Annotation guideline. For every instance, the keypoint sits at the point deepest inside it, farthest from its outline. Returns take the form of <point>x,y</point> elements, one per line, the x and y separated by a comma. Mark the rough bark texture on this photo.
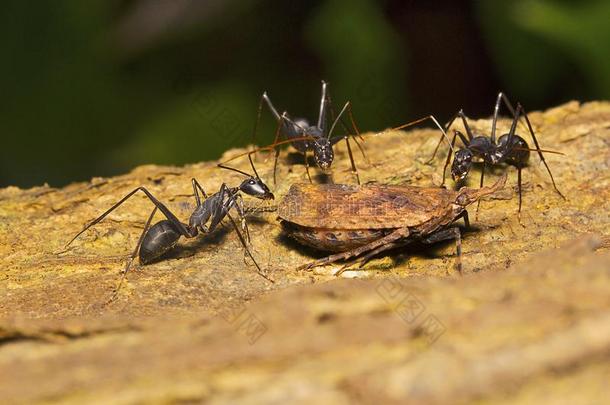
<point>528,323</point>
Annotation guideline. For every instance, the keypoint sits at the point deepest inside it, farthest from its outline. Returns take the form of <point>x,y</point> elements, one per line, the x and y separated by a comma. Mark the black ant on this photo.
<point>510,148</point>
<point>315,138</point>
<point>158,239</point>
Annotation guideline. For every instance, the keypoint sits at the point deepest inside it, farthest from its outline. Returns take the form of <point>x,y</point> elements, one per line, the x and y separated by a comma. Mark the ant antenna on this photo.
<point>332,127</point>
<point>417,121</point>
<point>252,165</point>
<point>223,166</point>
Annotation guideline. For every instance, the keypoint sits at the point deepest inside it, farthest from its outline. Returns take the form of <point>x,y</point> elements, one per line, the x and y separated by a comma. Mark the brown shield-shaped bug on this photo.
<point>363,221</point>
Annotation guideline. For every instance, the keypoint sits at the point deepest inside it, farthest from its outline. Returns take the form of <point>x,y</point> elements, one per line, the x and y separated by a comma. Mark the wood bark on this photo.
<point>528,322</point>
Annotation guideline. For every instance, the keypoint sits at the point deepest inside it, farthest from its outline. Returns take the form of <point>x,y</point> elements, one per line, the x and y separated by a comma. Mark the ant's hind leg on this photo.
<point>351,159</point>
<point>448,160</point>
<point>480,186</point>
<point>116,289</point>
<point>307,166</point>
<point>531,131</point>
<point>519,190</point>
<point>357,134</point>
<point>182,228</point>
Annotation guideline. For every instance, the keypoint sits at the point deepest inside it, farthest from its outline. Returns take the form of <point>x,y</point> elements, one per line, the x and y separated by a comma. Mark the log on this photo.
<point>529,320</point>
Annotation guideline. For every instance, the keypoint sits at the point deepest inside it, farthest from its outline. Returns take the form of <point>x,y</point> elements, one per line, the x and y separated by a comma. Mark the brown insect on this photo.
<point>367,220</point>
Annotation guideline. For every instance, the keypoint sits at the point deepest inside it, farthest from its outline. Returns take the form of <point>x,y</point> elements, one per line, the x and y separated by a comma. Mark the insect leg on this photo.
<point>182,228</point>
<point>307,165</point>
<point>277,151</point>
<point>239,207</point>
<point>392,237</point>
<point>448,160</point>
<point>196,190</point>
<point>259,112</point>
<point>348,110</point>
<point>333,141</point>
<point>351,159</point>
<point>480,186</point>
<point>366,258</point>
<point>531,131</point>
<point>243,242</point>
<point>440,141</point>
<point>446,234</point>
<point>519,190</point>
<point>357,130</point>
<point>115,292</point>
<point>325,99</point>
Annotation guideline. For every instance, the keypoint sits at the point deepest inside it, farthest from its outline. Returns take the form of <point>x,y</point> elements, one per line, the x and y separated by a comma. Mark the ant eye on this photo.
<point>251,181</point>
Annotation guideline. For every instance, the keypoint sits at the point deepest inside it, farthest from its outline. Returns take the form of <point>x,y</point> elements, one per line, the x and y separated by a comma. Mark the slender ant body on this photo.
<point>510,148</point>
<point>317,138</point>
<point>158,239</point>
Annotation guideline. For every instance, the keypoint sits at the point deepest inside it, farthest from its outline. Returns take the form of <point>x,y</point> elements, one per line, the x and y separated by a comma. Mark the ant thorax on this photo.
<point>481,146</point>
<point>201,215</point>
<point>314,132</point>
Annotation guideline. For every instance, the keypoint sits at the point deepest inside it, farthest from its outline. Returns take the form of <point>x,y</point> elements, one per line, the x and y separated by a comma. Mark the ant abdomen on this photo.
<point>518,152</point>
<point>160,238</point>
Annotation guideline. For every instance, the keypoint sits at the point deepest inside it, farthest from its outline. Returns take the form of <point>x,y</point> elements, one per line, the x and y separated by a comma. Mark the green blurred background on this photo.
<point>94,88</point>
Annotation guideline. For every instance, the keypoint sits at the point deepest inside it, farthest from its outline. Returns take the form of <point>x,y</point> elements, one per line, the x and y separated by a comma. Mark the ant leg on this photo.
<point>390,238</point>
<point>196,190</point>
<point>307,166</point>
<point>480,186</point>
<point>446,234</point>
<point>466,125</point>
<point>290,133</point>
<point>501,98</point>
<point>227,200</point>
<point>348,110</point>
<point>259,113</point>
<point>324,101</point>
<point>465,141</point>
<point>351,159</point>
<point>239,206</point>
<point>243,242</point>
<point>531,131</point>
<point>182,228</point>
<point>448,160</point>
<point>347,107</point>
<point>355,127</point>
<point>277,151</point>
<point>357,132</point>
<point>115,292</point>
<point>519,190</point>
<point>440,141</point>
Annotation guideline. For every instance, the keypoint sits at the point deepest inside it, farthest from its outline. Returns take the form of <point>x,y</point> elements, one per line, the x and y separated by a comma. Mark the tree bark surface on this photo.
<point>529,321</point>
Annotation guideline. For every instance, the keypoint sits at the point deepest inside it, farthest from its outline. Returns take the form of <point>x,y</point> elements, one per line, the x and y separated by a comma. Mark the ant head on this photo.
<point>323,153</point>
<point>461,164</point>
<point>255,187</point>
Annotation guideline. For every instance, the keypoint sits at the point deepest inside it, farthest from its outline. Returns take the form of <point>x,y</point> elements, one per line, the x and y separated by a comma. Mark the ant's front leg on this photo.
<point>239,207</point>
